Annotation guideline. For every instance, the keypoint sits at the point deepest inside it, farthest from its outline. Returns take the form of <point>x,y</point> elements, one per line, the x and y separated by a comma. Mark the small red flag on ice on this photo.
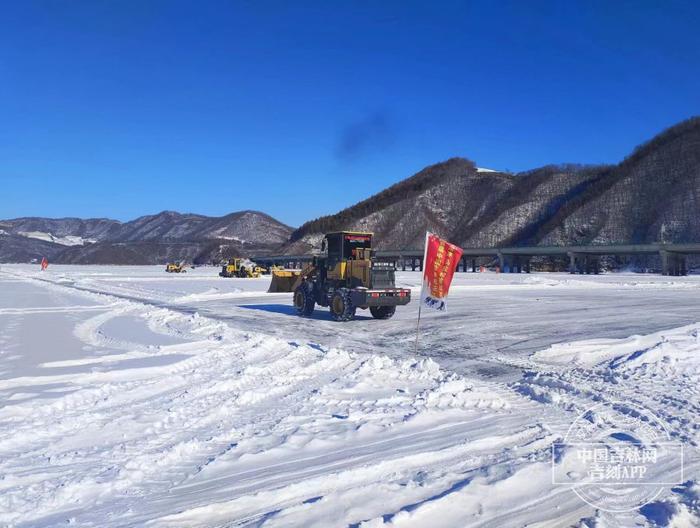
<point>440,262</point>
<point>44,263</point>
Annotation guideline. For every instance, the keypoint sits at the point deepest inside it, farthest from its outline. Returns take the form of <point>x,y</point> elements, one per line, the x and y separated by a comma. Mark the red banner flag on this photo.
<point>44,264</point>
<point>440,262</point>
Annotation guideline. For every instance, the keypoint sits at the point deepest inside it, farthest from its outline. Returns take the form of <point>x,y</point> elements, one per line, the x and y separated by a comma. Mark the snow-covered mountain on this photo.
<point>250,227</point>
<point>146,240</point>
<point>651,196</point>
<point>436,198</point>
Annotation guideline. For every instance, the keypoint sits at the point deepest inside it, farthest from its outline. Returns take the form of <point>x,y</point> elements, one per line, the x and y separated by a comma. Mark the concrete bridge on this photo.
<point>582,259</point>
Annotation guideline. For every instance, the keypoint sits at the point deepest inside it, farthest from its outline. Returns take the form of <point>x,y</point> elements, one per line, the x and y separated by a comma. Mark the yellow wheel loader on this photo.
<point>345,277</point>
<point>236,268</point>
<point>172,267</point>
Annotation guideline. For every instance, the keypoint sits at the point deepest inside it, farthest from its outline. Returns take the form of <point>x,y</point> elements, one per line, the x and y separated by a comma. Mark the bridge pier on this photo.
<point>502,263</point>
<point>505,263</point>
<point>575,261</point>
<point>582,263</point>
<point>463,265</point>
<point>513,263</point>
<point>673,264</point>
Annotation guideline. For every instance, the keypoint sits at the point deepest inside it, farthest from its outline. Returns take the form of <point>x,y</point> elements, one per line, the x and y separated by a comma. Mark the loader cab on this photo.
<point>347,245</point>
<point>347,258</point>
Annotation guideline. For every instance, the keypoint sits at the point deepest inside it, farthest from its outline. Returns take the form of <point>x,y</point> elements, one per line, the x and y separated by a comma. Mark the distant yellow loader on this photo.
<point>236,268</point>
<point>173,267</point>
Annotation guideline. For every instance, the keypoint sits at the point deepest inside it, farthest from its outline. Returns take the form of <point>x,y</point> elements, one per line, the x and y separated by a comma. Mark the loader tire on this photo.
<point>342,308</point>
<point>304,301</point>
<point>382,312</point>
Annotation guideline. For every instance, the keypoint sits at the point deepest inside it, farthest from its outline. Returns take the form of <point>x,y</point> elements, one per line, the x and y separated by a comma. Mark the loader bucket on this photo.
<point>283,281</point>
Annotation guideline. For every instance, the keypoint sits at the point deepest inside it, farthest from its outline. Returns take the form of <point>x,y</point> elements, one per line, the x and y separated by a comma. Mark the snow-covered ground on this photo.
<point>133,397</point>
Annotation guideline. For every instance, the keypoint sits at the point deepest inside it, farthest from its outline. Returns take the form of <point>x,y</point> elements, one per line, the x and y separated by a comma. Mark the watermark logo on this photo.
<point>617,457</point>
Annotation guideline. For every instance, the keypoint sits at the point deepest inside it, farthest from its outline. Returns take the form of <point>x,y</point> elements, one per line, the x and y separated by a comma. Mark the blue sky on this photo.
<point>124,108</point>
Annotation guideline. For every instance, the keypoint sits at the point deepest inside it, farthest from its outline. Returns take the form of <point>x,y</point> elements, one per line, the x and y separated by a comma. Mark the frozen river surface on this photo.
<point>131,396</point>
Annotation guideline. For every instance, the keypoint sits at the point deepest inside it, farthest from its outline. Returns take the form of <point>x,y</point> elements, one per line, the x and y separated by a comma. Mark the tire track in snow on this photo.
<point>180,433</point>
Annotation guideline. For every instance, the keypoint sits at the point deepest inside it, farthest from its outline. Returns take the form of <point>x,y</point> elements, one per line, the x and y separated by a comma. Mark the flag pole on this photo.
<point>422,287</point>
<point>415,351</point>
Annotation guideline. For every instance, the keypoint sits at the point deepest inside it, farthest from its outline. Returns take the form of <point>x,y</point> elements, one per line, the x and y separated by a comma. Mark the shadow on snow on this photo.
<point>320,314</point>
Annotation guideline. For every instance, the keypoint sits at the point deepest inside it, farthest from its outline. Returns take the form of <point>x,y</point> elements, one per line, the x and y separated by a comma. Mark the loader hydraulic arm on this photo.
<point>306,272</point>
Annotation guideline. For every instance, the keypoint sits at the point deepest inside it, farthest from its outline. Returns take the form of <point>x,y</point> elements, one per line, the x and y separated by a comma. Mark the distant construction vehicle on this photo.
<point>346,276</point>
<point>172,267</point>
<point>236,267</point>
